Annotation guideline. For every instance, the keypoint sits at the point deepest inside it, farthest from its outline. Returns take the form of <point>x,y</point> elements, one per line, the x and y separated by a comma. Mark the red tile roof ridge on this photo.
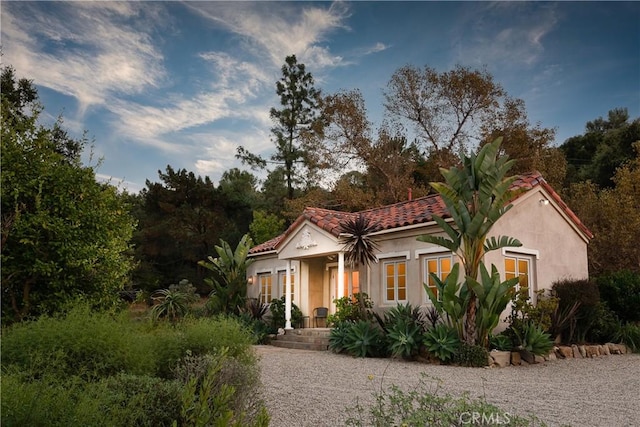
<point>408,212</point>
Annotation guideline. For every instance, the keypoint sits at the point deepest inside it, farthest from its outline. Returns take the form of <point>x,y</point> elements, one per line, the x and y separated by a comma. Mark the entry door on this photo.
<point>351,283</point>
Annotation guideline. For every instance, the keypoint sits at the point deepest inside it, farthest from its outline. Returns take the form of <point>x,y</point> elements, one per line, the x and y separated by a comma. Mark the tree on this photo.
<point>605,146</point>
<point>178,220</point>
<point>64,235</point>
<point>265,226</point>
<point>476,196</point>
<point>446,109</point>
<point>529,146</point>
<point>297,125</point>
<point>613,215</point>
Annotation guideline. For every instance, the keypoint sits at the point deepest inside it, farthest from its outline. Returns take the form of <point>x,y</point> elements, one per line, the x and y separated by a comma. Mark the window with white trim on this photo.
<point>282,277</point>
<point>264,280</point>
<point>440,265</point>
<point>520,266</point>
<point>394,273</point>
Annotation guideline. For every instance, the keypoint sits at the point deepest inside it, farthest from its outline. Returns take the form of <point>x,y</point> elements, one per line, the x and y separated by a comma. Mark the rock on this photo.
<point>515,358</point>
<point>565,352</point>
<point>613,348</point>
<point>592,351</point>
<point>604,350</point>
<point>576,351</point>
<point>527,356</point>
<point>501,358</point>
<point>583,350</point>
<point>552,356</point>
<point>538,359</point>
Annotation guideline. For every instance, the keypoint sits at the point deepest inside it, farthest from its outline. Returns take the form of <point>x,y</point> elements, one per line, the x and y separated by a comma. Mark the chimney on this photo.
<point>410,196</point>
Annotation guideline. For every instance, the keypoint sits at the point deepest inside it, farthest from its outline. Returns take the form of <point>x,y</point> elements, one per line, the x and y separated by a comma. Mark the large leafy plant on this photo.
<point>476,195</point>
<point>229,282</point>
<point>442,341</point>
<point>493,296</point>
<point>453,299</point>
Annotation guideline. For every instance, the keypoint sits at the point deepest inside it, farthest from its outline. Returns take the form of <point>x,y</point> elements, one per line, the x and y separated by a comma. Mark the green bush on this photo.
<point>349,309</point>
<point>621,292</point>
<point>122,400</point>
<point>585,293</point>
<point>629,334</point>
<point>442,342</point>
<point>403,326</point>
<point>364,339</point>
<point>424,407</point>
<point>475,356</point>
<point>604,325</point>
<point>278,315</point>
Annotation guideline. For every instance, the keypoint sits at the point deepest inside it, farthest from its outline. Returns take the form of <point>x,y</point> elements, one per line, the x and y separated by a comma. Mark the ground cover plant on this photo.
<point>426,406</point>
<point>95,369</point>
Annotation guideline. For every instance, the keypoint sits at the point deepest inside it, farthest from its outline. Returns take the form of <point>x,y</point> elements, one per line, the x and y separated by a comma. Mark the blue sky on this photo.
<point>185,83</point>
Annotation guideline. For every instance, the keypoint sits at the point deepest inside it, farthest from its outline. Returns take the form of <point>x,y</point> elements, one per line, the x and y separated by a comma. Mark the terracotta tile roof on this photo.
<point>410,212</point>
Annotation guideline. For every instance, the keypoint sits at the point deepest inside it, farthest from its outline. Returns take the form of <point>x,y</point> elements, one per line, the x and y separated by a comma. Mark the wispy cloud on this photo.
<point>504,33</point>
<point>276,30</point>
<point>93,53</point>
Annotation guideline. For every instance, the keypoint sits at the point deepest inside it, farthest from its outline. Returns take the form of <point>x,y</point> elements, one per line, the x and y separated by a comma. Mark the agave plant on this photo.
<point>364,339</point>
<point>442,341</point>
<point>534,340</point>
<point>173,304</point>
<point>404,339</point>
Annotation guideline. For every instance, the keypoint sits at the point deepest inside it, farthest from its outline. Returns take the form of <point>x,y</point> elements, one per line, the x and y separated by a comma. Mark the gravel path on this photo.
<point>309,388</point>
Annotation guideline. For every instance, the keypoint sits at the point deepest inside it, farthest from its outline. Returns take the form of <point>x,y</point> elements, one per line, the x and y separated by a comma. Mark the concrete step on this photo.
<point>304,339</point>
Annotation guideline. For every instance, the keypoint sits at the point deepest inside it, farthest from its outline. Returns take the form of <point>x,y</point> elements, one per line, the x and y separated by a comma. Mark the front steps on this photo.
<point>304,339</point>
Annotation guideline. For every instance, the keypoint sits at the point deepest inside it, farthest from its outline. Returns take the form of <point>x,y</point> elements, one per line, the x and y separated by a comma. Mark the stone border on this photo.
<point>501,359</point>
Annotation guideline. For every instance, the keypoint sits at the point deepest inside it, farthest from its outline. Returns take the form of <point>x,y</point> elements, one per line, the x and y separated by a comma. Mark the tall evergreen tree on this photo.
<point>297,125</point>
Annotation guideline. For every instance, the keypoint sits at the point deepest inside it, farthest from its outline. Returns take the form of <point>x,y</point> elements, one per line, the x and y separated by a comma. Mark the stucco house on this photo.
<point>306,262</point>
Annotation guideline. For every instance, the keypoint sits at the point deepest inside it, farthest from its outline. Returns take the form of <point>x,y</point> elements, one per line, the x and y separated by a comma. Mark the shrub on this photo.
<point>348,309</point>
<point>604,325</point>
<point>475,356</point>
<point>586,294</point>
<point>621,292</point>
<point>364,339</point>
<point>442,342</point>
<point>424,407</point>
<point>278,315</point>
<point>629,334</point>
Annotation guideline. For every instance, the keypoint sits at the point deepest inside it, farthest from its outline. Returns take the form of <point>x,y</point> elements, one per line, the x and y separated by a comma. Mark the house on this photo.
<point>308,259</point>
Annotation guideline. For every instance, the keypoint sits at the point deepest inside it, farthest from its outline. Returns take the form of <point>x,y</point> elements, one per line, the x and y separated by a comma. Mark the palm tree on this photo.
<point>358,245</point>
<point>476,194</point>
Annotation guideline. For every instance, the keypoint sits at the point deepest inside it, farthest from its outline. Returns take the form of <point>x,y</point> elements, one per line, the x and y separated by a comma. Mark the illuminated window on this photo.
<point>351,283</point>
<point>440,265</point>
<point>519,267</point>
<point>395,277</point>
<point>265,288</point>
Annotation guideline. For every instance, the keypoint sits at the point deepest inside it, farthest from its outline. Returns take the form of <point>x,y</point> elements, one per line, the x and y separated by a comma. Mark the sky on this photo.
<point>185,83</point>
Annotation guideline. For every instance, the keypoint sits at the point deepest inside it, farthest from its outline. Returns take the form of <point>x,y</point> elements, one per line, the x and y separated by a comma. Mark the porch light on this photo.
<point>544,202</point>
<point>250,280</point>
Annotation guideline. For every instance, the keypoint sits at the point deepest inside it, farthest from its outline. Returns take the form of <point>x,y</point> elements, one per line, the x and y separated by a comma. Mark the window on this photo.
<point>440,265</point>
<point>395,279</point>
<point>265,288</point>
<point>282,277</point>
<point>519,267</point>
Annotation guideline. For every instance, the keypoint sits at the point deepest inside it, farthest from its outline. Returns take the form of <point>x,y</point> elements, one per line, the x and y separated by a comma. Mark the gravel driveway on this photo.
<point>309,388</point>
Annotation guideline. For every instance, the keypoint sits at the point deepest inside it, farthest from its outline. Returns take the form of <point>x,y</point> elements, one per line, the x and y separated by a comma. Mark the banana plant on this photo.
<point>492,295</point>
<point>453,298</point>
<point>229,281</point>
<point>476,195</point>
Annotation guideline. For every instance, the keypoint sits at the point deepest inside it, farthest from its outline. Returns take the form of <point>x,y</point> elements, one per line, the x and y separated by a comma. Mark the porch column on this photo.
<point>287,296</point>
<point>340,275</point>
